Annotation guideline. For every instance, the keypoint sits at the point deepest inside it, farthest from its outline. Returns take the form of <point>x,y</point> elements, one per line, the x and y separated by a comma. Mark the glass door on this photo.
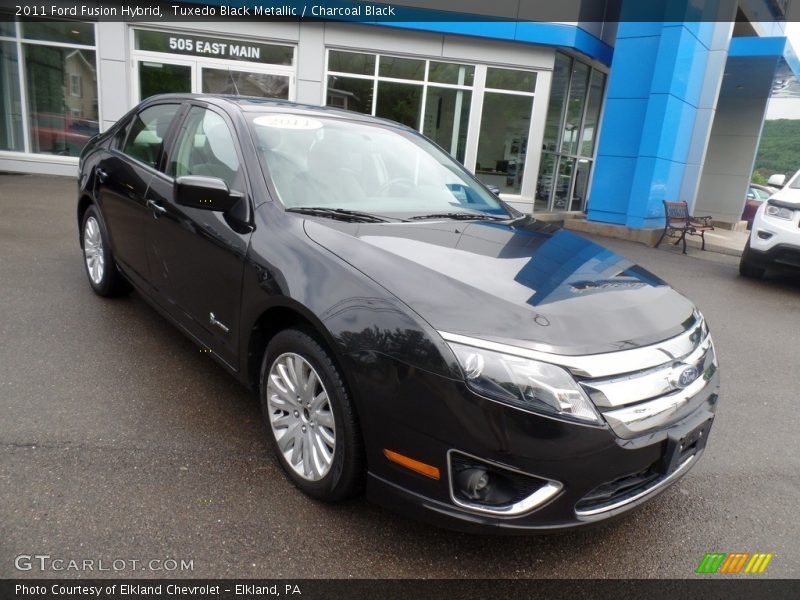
<point>159,77</point>
<point>239,82</point>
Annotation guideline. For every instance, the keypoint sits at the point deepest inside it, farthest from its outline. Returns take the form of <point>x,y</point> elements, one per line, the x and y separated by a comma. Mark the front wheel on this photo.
<point>311,420</point>
<point>747,268</point>
<point>104,277</point>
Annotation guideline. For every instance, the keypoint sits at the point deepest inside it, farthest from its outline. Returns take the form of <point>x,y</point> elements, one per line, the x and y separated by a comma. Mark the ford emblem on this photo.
<point>684,378</point>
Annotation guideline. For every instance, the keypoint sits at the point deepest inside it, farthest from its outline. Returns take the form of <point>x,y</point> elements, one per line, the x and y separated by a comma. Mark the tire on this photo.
<point>746,266</point>
<point>315,434</point>
<point>98,260</point>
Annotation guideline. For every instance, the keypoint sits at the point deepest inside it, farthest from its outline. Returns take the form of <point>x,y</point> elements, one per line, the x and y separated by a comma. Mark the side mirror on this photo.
<point>776,180</point>
<point>206,193</point>
<point>751,196</point>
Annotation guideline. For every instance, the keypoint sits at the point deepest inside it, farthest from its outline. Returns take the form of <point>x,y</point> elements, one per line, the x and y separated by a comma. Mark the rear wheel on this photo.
<point>310,417</point>
<point>104,277</point>
<point>747,268</point>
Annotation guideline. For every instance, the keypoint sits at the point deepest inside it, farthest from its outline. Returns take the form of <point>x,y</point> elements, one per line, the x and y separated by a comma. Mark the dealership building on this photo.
<point>603,115</point>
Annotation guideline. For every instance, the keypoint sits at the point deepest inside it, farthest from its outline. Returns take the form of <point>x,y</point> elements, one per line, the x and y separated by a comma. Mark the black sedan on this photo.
<point>405,330</point>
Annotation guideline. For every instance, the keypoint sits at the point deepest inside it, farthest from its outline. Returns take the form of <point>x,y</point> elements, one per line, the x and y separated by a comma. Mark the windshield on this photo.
<point>795,182</point>
<point>339,164</point>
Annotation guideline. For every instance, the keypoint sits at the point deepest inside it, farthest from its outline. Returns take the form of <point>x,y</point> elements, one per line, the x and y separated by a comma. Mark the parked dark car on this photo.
<point>404,329</point>
<point>756,195</point>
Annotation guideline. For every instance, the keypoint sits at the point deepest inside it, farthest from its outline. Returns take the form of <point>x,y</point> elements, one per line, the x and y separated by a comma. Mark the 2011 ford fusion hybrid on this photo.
<point>405,330</point>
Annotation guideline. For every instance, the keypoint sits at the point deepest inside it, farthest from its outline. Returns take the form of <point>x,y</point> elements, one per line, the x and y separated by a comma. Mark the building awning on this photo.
<point>762,66</point>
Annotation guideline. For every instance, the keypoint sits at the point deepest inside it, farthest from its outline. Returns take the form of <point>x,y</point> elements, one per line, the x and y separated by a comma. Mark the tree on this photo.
<point>779,150</point>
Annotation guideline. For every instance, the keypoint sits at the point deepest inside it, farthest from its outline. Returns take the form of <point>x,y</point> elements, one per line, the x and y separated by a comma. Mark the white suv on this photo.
<point>775,237</point>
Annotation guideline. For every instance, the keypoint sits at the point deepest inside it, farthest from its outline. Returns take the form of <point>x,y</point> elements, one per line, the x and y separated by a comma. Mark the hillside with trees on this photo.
<point>779,151</point>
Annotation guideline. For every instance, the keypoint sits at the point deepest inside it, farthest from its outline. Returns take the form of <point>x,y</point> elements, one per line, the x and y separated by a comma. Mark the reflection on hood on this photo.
<point>562,266</point>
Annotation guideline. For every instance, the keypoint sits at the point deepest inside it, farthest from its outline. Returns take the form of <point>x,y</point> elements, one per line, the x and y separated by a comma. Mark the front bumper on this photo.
<point>780,256</point>
<point>774,241</point>
<point>431,417</point>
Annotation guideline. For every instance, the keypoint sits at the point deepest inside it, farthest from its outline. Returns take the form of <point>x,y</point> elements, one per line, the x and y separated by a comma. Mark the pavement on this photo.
<point>722,241</point>
<point>119,440</point>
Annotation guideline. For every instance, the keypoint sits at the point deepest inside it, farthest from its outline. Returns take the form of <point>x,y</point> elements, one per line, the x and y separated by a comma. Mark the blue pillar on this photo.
<point>654,127</point>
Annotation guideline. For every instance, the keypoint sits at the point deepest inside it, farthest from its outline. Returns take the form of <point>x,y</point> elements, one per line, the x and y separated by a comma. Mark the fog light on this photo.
<point>473,483</point>
<point>477,482</point>
<point>764,235</point>
<point>491,488</point>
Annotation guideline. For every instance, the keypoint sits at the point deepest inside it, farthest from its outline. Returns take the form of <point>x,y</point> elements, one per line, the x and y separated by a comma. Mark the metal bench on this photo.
<point>679,223</point>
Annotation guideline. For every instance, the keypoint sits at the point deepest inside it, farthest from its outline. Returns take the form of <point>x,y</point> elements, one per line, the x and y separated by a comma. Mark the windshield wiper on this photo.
<point>460,216</point>
<point>355,216</point>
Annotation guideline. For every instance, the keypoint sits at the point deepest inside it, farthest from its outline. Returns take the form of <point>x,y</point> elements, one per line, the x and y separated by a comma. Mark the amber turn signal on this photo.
<point>410,463</point>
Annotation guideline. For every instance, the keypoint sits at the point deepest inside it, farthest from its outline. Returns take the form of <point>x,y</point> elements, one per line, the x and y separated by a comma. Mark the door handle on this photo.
<point>101,175</point>
<point>155,206</point>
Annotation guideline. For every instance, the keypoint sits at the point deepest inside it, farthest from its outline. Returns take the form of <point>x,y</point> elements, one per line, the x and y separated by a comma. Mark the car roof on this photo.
<point>264,105</point>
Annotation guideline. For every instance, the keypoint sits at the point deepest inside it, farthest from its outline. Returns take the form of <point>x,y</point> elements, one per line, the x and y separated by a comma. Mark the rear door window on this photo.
<point>146,133</point>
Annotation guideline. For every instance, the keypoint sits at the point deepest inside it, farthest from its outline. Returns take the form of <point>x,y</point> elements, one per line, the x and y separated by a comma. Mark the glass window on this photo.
<point>402,68</point>
<point>146,133</point>
<point>350,93</point>
<point>206,147</point>
<point>242,83</point>
<point>573,115</point>
<point>577,97</point>
<point>581,187</point>
<point>510,79</point>
<point>67,32</point>
<point>446,110</point>
<point>451,73</point>
<point>401,102</point>
<point>446,119</point>
<point>60,123</point>
<point>759,194</point>
<point>351,62</point>
<point>11,114</point>
<point>161,78</point>
<point>544,183</point>
<point>503,140</point>
<point>7,27</point>
<point>558,97</point>
<point>594,102</point>
<point>563,181</point>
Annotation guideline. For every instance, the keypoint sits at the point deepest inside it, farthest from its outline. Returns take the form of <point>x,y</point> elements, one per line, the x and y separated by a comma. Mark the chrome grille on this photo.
<point>640,401</point>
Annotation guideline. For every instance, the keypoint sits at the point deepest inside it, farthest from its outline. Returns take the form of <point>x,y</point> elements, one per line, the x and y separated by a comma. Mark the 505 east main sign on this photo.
<point>227,49</point>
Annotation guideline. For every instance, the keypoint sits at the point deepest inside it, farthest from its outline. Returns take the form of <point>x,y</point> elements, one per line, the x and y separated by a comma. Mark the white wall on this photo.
<point>729,158</point>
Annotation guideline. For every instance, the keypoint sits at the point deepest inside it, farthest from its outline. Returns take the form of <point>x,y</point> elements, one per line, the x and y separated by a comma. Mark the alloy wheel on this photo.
<point>93,250</point>
<point>300,416</point>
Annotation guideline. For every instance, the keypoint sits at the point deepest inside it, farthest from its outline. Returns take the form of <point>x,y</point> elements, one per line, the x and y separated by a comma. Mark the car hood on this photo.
<point>525,283</point>
<point>787,194</point>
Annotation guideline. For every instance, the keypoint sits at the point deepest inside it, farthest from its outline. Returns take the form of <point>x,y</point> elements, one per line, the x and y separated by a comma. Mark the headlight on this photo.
<point>780,212</point>
<point>526,383</point>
